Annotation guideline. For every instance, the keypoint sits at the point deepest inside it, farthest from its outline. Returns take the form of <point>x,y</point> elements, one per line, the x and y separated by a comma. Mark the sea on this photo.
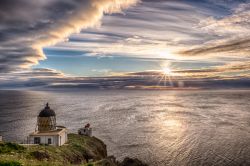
<point>160,127</point>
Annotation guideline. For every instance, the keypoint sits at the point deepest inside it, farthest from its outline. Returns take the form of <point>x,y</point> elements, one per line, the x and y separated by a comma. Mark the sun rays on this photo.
<point>165,75</point>
<point>166,71</point>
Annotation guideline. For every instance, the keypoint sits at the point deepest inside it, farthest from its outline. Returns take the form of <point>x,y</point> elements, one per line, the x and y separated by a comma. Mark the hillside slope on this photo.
<point>80,150</point>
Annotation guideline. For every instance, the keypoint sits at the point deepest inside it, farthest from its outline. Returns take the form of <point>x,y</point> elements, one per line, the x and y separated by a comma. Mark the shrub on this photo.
<point>40,155</point>
<point>10,163</point>
<point>90,164</point>
<point>9,147</point>
<point>132,162</point>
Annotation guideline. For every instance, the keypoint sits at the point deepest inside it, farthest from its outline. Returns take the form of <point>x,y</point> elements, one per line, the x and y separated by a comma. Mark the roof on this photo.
<point>47,112</point>
<point>49,133</point>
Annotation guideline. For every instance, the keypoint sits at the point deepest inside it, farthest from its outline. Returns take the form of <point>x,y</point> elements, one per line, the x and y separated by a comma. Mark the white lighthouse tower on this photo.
<point>47,132</point>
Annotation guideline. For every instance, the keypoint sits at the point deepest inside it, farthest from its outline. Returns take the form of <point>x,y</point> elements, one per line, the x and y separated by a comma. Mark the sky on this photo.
<point>125,44</point>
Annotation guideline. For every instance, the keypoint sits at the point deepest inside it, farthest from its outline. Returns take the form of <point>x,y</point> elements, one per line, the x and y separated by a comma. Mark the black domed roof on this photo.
<point>47,112</point>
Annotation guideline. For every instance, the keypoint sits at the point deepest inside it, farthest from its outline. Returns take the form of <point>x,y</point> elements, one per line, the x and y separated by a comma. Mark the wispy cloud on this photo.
<point>27,26</point>
<point>171,30</point>
<point>232,31</point>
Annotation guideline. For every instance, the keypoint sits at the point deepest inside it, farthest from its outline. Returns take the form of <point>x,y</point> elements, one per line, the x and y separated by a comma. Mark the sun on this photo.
<point>165,75</point>
<point>166,71</point>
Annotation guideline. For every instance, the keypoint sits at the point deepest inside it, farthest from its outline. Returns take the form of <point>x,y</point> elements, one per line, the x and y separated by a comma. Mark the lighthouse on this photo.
<point>46,120</point>
<point>47,131</point>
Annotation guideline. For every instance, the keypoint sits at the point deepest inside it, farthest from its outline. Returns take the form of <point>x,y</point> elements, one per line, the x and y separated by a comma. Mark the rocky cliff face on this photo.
<point>80,150</point>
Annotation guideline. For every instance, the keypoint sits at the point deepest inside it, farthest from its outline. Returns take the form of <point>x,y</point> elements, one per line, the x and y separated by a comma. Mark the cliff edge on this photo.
<point>80,150</point>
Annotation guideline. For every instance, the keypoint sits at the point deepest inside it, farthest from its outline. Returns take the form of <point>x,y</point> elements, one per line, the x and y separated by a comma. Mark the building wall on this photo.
<point>1,138</point>
<point>44,139</point>
<point>57,140</point>
<point>62,138</point>
<point>85,131</point>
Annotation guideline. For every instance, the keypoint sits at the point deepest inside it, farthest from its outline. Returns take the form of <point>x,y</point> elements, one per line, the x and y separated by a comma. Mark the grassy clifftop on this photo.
<point>80,150</point>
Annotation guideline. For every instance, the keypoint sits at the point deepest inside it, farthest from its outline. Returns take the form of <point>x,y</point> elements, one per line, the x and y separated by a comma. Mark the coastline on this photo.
<point>80,150</point>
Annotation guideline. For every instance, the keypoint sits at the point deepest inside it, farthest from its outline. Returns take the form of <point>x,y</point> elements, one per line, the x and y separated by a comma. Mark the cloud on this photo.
<point>239,46</point>
<point>49,79</point>
<point>42,73</point>
<point>28,26</point>
<point>169,29</point>
<point>236,69</point>
<point>233,33</point>
<point>30,78</point>
<point>152,29</point>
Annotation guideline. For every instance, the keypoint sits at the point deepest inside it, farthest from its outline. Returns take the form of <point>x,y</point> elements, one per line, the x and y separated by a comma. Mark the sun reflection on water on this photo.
<point>172,123</point>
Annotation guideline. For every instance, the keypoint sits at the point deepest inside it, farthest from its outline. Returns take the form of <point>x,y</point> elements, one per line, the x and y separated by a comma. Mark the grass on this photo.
<point>78,151</point>
<point>10,163</point>
<point>10,147</point>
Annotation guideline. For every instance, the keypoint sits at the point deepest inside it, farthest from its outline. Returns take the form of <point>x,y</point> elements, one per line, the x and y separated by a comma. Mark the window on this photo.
<point>49,141</point>
<point>37,140</point>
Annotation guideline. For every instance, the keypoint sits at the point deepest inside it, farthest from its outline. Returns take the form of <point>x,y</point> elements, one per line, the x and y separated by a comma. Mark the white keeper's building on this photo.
<point>47,132</point>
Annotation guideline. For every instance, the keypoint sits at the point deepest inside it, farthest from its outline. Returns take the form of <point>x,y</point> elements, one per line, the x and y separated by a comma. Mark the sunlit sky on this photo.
<point>206,42</point>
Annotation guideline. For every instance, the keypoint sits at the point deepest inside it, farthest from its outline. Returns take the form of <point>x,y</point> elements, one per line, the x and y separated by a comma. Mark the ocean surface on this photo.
<point>174,128</point>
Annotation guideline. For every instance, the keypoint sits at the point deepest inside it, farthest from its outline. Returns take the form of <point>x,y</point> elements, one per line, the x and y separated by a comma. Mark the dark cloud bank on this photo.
<point>47,79</point>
